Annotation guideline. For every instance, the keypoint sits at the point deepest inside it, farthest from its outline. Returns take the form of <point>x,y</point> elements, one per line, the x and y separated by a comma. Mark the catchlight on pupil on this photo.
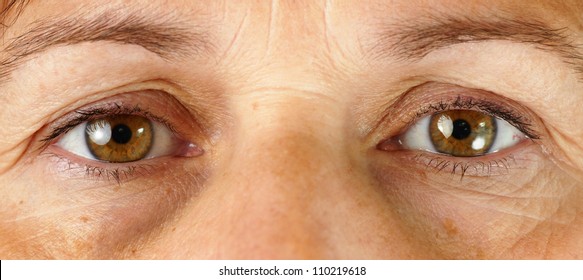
<point>462,133</point>
<point>119,138</point>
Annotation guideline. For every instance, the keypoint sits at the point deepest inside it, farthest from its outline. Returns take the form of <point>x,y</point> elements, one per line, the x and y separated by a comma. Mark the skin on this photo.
<point>289,108</point>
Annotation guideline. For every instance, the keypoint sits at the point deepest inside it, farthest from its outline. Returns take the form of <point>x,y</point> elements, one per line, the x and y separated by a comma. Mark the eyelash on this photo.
<point>440,163</point>
<point>120,172</point>
<point>81,116</point>
<point>490,108</point>
<point>482,168</point>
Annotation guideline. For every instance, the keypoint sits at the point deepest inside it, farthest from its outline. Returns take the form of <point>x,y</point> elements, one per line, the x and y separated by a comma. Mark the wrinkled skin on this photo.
<point>289,101</point>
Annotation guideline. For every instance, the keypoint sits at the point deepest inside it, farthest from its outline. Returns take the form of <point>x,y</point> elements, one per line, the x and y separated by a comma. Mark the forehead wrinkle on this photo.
<point>411,41</point>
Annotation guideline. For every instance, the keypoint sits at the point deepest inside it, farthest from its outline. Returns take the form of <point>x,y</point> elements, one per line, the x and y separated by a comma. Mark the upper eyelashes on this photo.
<point>122,130</point>
<point>461,133</point>
<point>121,138</point>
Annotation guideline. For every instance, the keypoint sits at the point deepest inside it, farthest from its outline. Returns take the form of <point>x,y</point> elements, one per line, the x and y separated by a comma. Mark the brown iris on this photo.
<point>462,133</point>
<point>119,138</point>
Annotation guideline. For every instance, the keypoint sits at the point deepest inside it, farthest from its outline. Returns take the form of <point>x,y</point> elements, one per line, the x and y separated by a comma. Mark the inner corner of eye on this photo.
<point>191,150</point>
<point>406,140</point>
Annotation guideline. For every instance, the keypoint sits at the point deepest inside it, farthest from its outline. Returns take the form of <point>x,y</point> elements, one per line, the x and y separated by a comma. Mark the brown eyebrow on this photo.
<point>10,10</point>
<point>161,35</point>
<point>413,41</point>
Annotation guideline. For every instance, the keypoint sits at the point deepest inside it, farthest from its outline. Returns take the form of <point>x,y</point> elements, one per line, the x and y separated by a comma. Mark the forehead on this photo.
<point>301,23</point>
<point>307,29</point>
<point>302,11</point>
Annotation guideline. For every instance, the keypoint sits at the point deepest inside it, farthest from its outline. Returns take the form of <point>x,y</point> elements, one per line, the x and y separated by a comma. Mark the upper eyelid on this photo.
<point>435,97</point>
<point>490,108</point>
<point>153,103</point>
<point>423,98</point>
<point>83,115</point>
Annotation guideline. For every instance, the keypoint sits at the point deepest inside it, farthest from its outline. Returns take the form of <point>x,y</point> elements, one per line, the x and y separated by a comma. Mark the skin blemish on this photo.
<point>84,219</point>
<point>450,227</point>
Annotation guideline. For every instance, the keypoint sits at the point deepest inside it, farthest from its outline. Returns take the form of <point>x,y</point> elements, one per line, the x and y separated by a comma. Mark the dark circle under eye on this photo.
<point>119,138</point>
<point>462,133</point>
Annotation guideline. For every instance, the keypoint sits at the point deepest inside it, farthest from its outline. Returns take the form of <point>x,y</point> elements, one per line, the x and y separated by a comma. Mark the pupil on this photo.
<point>461,129</point>
<point>121,134</point>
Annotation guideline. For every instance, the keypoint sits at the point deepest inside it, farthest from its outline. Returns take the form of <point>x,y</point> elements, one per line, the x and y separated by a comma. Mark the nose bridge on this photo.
<point>278,171</point>
<point>290,187</point>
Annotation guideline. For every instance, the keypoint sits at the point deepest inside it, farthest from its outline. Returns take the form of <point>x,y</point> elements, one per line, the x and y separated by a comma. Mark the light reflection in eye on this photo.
<point>461,133</point>
<point>122,138</point>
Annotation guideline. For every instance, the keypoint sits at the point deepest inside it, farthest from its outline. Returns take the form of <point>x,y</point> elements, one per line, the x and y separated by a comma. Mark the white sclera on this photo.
<point>74,141</point>
<point>506,136</point>
<point>164,142</point>
<point>419,138</point>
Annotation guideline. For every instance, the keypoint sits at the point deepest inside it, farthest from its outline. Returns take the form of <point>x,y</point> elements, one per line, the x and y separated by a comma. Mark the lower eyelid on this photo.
<point>474,168</point>
<point>70,166</point>
<point>501,163</point>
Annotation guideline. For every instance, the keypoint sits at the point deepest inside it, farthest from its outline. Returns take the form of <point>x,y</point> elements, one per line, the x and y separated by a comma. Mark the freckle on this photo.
<point>168,191</point>
<point>21,202</point>
<point>134,251</point>
<point>84,219</point>
<point>254,105</point>
<point>173,229</point>
<point>450,227</point>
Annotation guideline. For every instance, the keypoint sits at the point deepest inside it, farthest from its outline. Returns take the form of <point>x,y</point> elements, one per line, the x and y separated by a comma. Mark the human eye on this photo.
<point>119,138</point>
<point>461,133</point>
<point>459,130</point>
<point>115,137</point>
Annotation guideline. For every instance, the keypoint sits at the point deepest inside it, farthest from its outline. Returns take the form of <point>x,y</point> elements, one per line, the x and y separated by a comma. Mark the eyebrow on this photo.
<point>413,41</point>
<point>159,34</point>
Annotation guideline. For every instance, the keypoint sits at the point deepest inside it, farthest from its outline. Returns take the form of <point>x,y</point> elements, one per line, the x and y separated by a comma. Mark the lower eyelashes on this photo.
<point>470,133</point>
<point>117,139</point>
<point>474,168</point>
<point>445,168</point>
